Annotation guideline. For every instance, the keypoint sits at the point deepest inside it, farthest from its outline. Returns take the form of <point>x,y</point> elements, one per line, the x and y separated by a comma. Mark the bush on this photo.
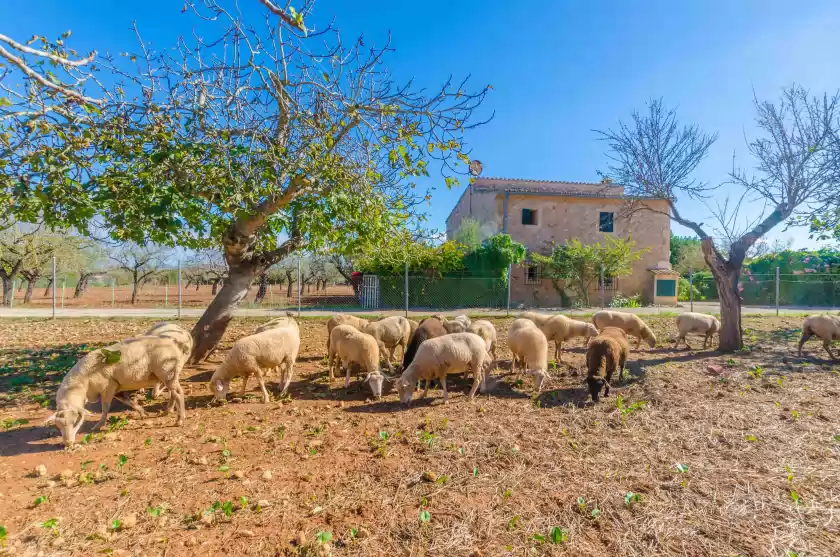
<point>684,291</point>
<point>620,301</point>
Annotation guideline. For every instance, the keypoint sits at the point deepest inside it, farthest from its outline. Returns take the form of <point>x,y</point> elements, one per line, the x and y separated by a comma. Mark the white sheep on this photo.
<point>458,324</point>
<point>287,320</point>
<point>413,325</point>
<point>437,357</point>
<point>826,327</point>
<point>182,338</point>
<point>530,349</point>
<point>486,331</point>
<point>390,333</point>
<point>700,323</point>
<point>251,355</point>
<point>344,319</point>
<point>559,328</point>
<point>538,318</point>
<point>627,322</point>
<point>135,363</point>
<point>349,346</point>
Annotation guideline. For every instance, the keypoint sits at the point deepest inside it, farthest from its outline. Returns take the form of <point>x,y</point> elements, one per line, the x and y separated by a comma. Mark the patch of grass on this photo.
<point>631,498</point>
<point>756,372</point>
<point>117,423</point>
<point>425,516</point>
<point>627,410</point>
<point>11,423</point>
<point>40,500</point>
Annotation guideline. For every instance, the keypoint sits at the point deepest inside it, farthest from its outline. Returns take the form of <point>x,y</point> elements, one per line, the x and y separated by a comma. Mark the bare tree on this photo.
<point>797,173</point>
<point>141,262</point>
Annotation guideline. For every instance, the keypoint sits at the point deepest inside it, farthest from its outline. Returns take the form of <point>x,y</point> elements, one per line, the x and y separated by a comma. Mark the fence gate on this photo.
<point>370,292</point>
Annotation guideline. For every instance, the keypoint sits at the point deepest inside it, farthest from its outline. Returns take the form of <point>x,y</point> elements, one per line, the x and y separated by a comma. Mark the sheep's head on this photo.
<point>220,387</point>
<point>540,375</point>
<point>405,389</point>
<point>454,327</point>
<point>68,421</point>
<point>591,330</point>
<point>376,380</point>
<point>649,337</point>
<point>595,385</point>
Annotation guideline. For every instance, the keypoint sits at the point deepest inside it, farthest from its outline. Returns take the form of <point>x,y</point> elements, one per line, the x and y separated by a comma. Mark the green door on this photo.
<point>666,287</point>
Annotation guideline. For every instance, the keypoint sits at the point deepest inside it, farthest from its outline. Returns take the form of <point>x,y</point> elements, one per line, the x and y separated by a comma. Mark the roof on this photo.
<point>663,272</point>
<point>487,183</point>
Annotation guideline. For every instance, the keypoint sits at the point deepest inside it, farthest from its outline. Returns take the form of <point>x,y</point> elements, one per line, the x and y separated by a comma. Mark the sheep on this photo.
<point>350,346</point>
<point>413,325</point>
<point>458,324</point>
<point>287,320</point>
<point>826,327</point>
<point>431,327</point>
<point>132,364</point>
<point>442,355</point>
<point>182,338</point>
<point>538,318</point>
<point>344,319</point>
<point>530,349</point>
<point>627,322</point>
<point>269,349</point>
<point>559,328</point>
<point>605,354</point>
<point>701,323</point>
<point>390,333</point>
<point>486,331</point>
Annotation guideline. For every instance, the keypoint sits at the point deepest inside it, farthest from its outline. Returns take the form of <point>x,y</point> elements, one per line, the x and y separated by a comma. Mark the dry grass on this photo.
<point>718,462</point>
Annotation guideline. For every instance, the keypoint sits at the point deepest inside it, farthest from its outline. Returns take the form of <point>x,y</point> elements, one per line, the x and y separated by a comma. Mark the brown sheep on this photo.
<point>431,327</point>
<point>605,354</point>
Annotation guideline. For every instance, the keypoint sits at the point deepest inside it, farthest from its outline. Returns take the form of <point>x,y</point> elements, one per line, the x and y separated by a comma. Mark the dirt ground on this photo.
<point>154,296</point>
<point>742,458</point>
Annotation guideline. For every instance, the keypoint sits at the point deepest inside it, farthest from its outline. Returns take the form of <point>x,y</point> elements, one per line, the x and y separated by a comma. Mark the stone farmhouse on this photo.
<point>538,213</point>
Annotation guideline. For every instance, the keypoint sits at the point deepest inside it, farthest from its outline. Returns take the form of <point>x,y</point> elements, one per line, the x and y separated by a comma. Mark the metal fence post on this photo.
<point>113,291</point>
<point>509,280</point>
<point>166,293</point>
<point>63,284</point>
<point>299,289</point>
<point>12,300</point>
<point>691,287</point>
<point>53,289</point>
<point>777,291</point>
<point>179,288</point>
<point>406,288</point>
<point>602,286</point>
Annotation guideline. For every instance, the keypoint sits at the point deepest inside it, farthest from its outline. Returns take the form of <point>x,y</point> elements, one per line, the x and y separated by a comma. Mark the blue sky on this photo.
<point>559,69</point>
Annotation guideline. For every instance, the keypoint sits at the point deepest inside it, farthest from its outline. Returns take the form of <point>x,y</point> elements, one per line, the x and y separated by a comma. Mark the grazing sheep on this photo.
<point>700,323</point>
<point>826,327</point>
<point>538,318</point>
<point>431,327</point>
<point>390,333</point>
<point>182,338</point>
<point>627,322</point>
<point>287,320</point>
<point>132,364</point>
<point>606,354</point>
<point>560,328</point>
<point>344,319</point>
<point>459,324</point>
<point>439,356</point>
<point>272,348</point>
<point>350,346</point>
<point>486,331</point>
<point>530,350</point>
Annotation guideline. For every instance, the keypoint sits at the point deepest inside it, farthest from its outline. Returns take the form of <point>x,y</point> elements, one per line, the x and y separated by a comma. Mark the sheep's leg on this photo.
<point>478,378</point>
<point>330,365</point>
<point>558,348</point>
<point>638,345</point>
<point>707,341</point>
<point>347,375</point>
<point>244,384</point>
<point>806,334</point>
<point>445,392</point>
<point>687,346</point>
<point>426,390</point>
<point>391,358</point>
<point>621,363</point>
<point>288,377</point>
<point>261,379</point>
<point>827,346</point>
<point>176,394</point>
<point>131,404</point>
<point>105,399</point>
<point>157,390</point>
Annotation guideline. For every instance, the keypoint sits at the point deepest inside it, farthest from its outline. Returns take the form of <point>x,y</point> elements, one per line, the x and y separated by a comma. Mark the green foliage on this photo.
<point>495,255</point>
<point>558,535</point>
<point>425,516</point>
<point>468,233</point>
<point>808,278</point>
<point>324,536</point>
<point>620,301</point>
<point>3,535</point>
<point>630,498</point>
<point>626,410</point>
<point>684,289</point>
<point>580,264</point>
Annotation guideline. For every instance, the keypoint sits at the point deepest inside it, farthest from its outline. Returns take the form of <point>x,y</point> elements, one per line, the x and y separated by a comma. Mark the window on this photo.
<point>529,217</point>
<point>666,287</point>
<point>609,282</point>
<point>533,274</point>
<point>605,222</point>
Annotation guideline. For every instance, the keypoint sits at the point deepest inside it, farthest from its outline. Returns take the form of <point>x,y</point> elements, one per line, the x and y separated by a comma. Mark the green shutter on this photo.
<point>666,287</point>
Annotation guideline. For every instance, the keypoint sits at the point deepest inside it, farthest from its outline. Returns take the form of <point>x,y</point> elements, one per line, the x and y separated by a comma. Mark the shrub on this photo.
<point>621,301</point>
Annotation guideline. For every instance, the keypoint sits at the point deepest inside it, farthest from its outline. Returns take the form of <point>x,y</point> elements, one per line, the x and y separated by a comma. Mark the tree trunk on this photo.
<point>263,288</point>
<point>30,286</point>
<point>134,290</point>
<point>211,327</point>
<point>727,275</point>
<point>290,283</point>
<point>82,285</point>
<point>216,284</point>
<point>47,289</point>
<point>8,290</point>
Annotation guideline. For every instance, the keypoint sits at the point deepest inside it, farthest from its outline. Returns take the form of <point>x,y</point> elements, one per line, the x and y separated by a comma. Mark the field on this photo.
<point>159,296</point>
<point>695,454</point>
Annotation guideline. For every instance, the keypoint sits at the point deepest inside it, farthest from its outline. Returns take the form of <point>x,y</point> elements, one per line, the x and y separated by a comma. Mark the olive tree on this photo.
<point>796,175</point>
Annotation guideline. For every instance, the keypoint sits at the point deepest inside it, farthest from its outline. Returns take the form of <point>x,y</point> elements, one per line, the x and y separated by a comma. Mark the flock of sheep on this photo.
<point>432,349</point>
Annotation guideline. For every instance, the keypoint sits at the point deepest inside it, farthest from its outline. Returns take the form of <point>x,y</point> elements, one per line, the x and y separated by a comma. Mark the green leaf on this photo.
<point>115,524</point>
<point>682,468</point>
<point>40,500</point>
<point>49,524</point>
<point>354,532</point>
<point>224,468</point>
<point>630,498</point>
<point>3,535</point>
<point>795,496</point>
<point>595,513</point>
<point>559,535</point>
<point>539,538</point>
<point>324,536</point>
<point>227,508</point>
<point>110,356</point>
<point>475,472</point>
<point>122,460</point>
<point>154,511</point>
<point>425,516</point>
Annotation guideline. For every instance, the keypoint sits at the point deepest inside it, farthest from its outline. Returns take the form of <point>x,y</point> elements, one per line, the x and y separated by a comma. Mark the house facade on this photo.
<point>541,213</point>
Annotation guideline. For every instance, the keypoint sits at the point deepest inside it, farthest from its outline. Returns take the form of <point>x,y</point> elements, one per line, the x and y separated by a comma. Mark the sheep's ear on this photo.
<point>51,419</point>
<point>219,386</point>
<point>366,379</point>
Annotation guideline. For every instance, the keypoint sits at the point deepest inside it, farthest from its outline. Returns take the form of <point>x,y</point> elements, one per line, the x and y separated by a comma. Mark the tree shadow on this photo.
<point>29,440</point>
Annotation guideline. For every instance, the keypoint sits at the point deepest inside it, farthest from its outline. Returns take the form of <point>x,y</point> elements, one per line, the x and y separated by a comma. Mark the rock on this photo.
<point>191,542</point>
<point>429,477</point>
<point>714,370</point>
<point>203,461</point>
<point>300,539</point>
<point>207,518</point>
<point>40,471</point>
<point>362,533</point>
<point>266,475</point>
<point>128,521</point>
<point>51,484</point>
<point>65,474</point>
<point>239,474</point>
<point>246,482</point>
<point>58,542</point>
<point>316,443</point>
<point>263,503</point>
<point>246,533</point>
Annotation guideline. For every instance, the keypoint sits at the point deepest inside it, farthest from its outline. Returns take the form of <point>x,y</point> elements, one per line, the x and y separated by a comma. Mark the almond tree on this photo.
<point>141,262</point>
<point>265,136</point>
<point>795,178</point>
